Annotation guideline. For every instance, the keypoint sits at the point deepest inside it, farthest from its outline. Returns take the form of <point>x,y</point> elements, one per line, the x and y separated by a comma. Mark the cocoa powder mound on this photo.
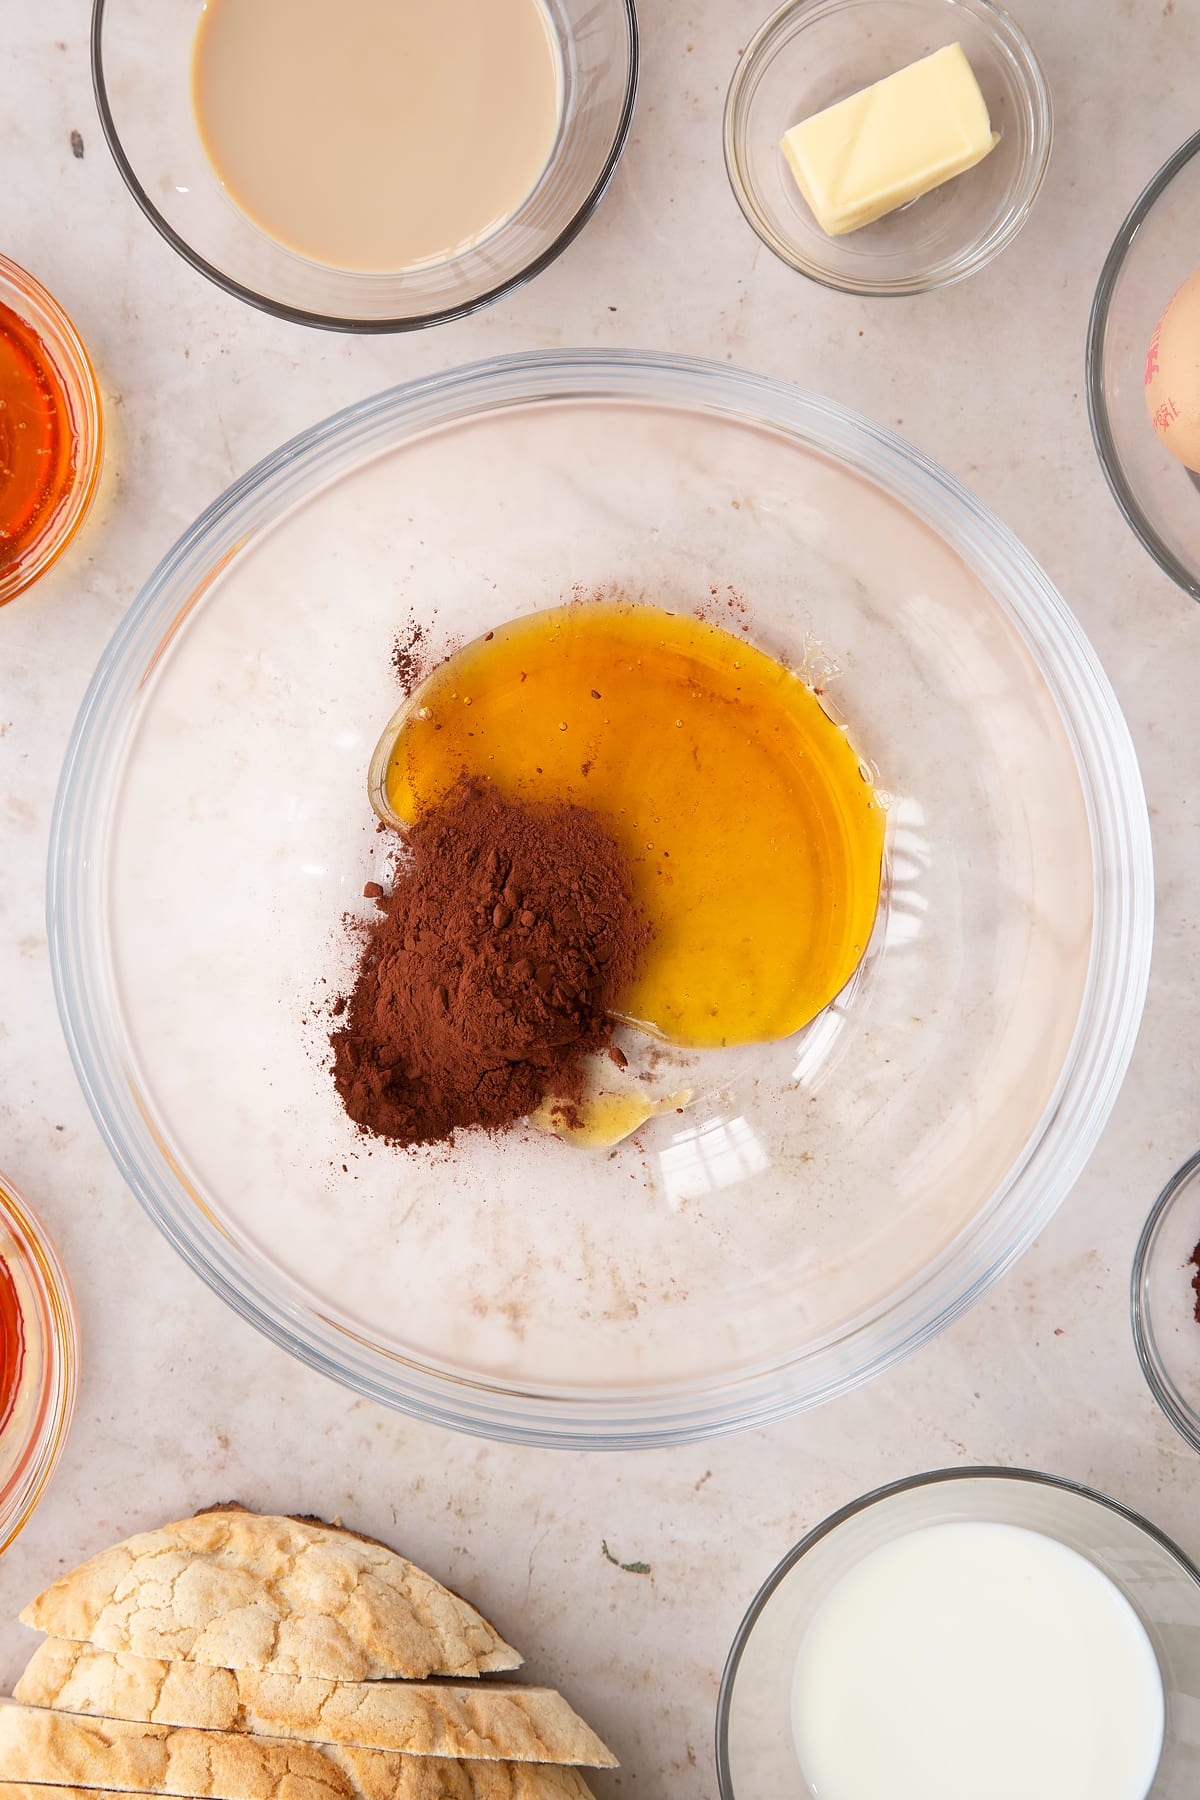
<point>490,969</point>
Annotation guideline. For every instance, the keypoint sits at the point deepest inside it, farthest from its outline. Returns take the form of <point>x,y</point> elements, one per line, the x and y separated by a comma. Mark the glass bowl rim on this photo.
<point>1182,1416</point>
<point>60,1378</point>
<point>907,1484</point>
<point>1103,439</point>
<point>676,1412</point>
<point>49,319</point>
<point>295,315</point>
<point>972,260</point>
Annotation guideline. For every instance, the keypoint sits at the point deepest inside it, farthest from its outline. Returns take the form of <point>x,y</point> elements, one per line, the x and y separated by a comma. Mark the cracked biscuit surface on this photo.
<point>244,1590</point>
<point>44,1753</point>
<point>476,1719</point>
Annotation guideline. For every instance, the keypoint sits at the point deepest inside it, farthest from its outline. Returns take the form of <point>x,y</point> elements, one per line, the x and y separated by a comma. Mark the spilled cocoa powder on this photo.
<point>410,654</point>
<point>489,971</point>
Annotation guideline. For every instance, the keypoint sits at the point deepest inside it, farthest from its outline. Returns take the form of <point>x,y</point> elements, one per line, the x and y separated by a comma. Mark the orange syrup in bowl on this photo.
<point>12,1344</point>
<point>39,1355</point>
<point>50,430</point>
<point>752,829</point>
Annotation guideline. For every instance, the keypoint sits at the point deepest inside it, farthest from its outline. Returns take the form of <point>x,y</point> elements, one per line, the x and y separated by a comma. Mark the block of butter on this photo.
<point>890,143</point>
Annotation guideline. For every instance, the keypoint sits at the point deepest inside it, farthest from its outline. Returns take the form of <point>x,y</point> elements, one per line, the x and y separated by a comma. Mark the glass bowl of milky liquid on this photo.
<point>807,1209</point>
<point>403,166</point>
<point>970,1631</point>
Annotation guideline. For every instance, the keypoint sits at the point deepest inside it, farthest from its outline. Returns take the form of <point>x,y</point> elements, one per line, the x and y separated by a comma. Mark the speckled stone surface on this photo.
<point>180,1403</point>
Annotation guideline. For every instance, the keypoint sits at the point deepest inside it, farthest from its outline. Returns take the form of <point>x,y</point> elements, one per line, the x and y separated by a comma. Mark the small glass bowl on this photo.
<point>756,1759</point>
<point>34,306</point>
<point>1163,1302</point>
<point>1153,254</point>
<point>32,1440</point>
<point>141,71</point>
<point>813,53</point>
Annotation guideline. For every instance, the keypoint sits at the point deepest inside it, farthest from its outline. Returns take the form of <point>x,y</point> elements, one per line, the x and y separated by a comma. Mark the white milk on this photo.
<point>977,1660</point>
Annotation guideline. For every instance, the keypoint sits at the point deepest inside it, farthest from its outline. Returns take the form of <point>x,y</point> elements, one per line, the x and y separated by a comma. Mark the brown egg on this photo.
<point>1173,374</point>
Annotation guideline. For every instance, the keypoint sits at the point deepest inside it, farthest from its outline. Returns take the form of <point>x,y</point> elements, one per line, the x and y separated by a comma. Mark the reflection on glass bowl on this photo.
<point>825,1202</point>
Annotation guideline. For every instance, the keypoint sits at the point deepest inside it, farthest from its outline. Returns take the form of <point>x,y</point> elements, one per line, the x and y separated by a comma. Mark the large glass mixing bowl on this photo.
<point>826,1203</point>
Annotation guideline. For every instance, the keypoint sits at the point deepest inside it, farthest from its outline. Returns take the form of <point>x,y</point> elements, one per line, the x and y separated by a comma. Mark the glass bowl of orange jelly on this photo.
<point>51,434</point>
<point>39,1360</point>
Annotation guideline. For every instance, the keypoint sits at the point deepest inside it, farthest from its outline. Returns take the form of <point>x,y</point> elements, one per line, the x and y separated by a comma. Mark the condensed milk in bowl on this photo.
<point>987,1632</point>
<point>380,165</point>
<point>385,136</point>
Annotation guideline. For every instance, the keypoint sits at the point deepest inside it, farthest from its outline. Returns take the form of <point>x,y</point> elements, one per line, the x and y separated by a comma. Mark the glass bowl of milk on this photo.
<point>973,1632</point>
<point>375,166</point>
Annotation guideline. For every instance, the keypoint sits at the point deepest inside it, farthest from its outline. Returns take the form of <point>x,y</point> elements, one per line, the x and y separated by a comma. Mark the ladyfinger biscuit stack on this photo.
<point>237,1656</point>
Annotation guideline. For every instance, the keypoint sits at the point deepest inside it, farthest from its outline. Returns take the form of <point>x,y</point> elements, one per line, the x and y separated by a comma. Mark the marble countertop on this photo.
<point>180,1403</point>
